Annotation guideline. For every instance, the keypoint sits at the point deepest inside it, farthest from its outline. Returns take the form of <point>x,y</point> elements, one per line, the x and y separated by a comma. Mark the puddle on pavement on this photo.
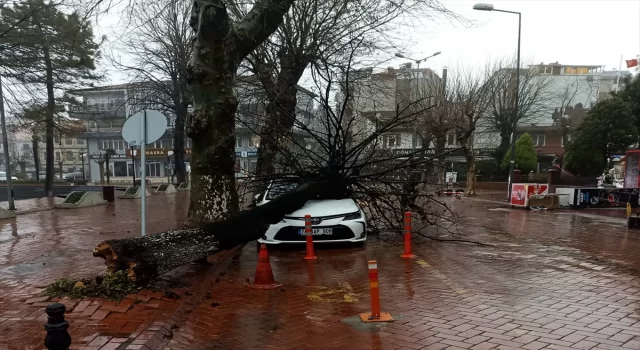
<point>371,327</point>
<point>342,294</point>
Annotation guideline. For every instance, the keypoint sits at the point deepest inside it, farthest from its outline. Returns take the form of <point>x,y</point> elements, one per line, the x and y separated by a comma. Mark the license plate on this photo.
<point>317,231</point>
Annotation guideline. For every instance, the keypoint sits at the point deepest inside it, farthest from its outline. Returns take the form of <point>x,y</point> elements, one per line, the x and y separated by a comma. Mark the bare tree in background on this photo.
<point>533,95</point>
<point>571,103</point>
<point>330,156</point>
<point>470,98</point>
<point>159,43</point>
<point>323,29</point>
<point>433,124</point>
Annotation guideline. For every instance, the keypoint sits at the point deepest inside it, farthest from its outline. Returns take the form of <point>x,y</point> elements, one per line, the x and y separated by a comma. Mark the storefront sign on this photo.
<point>113,156</point>
<point>431,152</point>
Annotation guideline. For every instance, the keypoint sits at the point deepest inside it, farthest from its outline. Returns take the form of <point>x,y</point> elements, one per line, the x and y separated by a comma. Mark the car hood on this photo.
<point>326,207</point>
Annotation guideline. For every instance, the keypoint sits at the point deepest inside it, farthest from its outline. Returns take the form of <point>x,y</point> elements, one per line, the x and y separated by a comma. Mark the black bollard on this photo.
<point>58,337</point>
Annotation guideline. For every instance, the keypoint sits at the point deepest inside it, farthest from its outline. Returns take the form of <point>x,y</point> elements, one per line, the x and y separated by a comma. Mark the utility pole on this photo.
<point>5,147</point>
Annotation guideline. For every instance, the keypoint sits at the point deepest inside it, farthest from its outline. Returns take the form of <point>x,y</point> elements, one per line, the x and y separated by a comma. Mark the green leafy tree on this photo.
<point>47,50</point>
<point>526,156</point>
<point>608,129</point>
<point>631,95</point>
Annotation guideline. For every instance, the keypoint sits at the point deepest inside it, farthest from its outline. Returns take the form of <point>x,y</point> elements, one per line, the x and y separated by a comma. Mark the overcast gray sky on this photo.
<point>590,32</point>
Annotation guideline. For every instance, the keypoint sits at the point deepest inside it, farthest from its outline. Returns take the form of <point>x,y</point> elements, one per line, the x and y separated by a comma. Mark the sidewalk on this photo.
<point>26,206</point>
<point>38,248</point>
<point>552,281</point>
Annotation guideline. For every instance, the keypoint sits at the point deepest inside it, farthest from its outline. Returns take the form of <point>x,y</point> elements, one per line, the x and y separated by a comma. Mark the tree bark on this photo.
<point>178,147</point>
<point>49,124</point>
<point>145,258</point>
<point>101,170</point>
<point>219,46</point>
<point>471,171</point>
<point>440,160</point>
<point>281,111</point>
<point>36,158</point>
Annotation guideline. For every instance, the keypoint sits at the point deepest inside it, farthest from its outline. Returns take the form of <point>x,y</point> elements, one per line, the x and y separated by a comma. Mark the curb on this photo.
<point>159,333</point>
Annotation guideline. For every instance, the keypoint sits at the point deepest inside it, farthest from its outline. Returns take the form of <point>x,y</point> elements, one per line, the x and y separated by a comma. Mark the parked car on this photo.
<point>76,178</point>
<point>3,176</point>
<point>333,219</point>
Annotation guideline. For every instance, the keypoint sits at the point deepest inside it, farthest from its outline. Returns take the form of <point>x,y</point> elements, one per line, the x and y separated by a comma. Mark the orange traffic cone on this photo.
<point>264,276</point>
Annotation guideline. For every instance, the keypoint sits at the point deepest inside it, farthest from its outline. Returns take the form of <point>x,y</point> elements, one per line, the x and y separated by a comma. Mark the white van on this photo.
<point>3,176</point>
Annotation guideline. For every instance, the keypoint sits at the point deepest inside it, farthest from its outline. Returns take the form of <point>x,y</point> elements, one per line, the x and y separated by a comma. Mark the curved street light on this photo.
<point>489,7</point>
<point>400,55</point>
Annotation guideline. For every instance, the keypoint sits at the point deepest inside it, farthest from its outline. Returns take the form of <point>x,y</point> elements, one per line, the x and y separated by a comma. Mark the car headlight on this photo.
<point>353,216</point>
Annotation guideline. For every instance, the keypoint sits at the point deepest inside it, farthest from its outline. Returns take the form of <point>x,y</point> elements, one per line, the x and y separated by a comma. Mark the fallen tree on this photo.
<point>145,258</point>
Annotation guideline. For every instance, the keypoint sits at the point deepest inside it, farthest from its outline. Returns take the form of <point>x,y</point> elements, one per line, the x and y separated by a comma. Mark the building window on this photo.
<point>567,137</point>
<point>118,145</point>
<point>153,169</point>
<point>187,142</point>
<point>157,144</point>
<point>68,141</point>
<point>69,156</point>
<point>58,156</point>
<point>391,140</point>
<point>451,140</point>
<point>239,141</point>
<point>120,168</point>
<point>80,141</point>
<point>538,139</point>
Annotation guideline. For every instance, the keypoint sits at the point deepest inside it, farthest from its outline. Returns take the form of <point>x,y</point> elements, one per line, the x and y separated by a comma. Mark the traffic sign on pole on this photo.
<point>141,129</point>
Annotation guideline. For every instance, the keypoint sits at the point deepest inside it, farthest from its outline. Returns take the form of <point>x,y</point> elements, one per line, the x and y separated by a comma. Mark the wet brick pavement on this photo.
<point>552,280</point>
<point>40,247</point>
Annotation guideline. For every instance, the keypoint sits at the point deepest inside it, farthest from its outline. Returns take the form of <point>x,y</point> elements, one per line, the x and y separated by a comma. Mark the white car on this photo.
<point>332,220</point>
<point>3,176</point>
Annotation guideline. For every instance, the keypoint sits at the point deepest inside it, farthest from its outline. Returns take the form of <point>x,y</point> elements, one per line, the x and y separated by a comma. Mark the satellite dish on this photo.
<point>156,126</point>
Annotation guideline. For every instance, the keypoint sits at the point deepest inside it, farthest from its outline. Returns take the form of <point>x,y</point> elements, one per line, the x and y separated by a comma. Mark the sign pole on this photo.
<point>133,163</point>
<point>143,178</point>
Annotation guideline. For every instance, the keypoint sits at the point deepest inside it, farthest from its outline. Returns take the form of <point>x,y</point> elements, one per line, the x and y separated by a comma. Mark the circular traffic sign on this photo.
<point>156,125</point>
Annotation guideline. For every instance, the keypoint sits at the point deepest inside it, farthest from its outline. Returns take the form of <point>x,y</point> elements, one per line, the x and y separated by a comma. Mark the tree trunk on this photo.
<point>211,127</point>
<point>178,146</point>
<point>145,258</point>
<point>23,170</point>
<point>440,160</point>
<point>471,172</point>
<point>281,111</point>
<point>60,169</point>
<point>36,158</point>
<point>107,162</point>
<point>51,105</point>
<point>101,170</point>
<point>219,46</point>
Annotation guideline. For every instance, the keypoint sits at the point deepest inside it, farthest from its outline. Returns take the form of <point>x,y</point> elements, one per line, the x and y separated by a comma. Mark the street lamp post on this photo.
<point>512,162</point>
<point>400,55</point>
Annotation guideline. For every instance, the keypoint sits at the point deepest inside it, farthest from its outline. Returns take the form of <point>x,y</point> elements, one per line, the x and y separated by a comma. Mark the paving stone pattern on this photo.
<point>545,285</point>
<point>38,248</point>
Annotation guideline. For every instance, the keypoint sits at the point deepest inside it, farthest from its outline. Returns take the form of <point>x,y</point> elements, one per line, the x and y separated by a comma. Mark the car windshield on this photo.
<point>279,188</point>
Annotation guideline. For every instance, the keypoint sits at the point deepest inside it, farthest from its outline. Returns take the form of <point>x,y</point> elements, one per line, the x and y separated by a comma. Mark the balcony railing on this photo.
<point>103,130</point>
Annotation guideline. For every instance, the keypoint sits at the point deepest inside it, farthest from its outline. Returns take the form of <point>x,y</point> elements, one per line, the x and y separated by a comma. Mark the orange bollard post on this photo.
<point>308,231</point>
<point>407,237</point>
<point>375,315</point>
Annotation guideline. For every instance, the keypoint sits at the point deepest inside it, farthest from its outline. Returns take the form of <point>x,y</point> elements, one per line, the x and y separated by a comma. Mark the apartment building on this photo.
<point>572,90</point>
<point>104,111</point>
